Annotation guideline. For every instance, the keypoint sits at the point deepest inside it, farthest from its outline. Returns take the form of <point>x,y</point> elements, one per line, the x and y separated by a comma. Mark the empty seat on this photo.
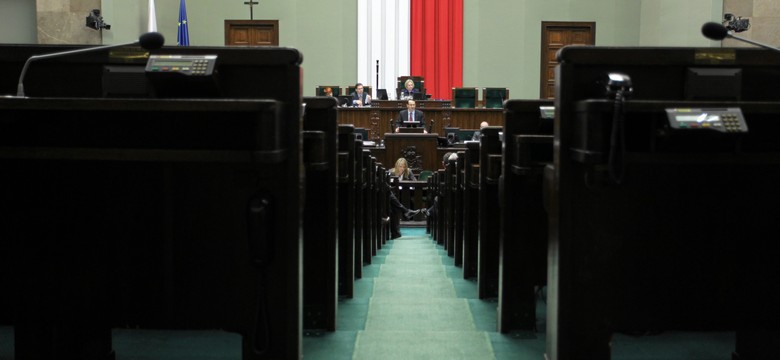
<point>494,98</point>
<point>464,97</point>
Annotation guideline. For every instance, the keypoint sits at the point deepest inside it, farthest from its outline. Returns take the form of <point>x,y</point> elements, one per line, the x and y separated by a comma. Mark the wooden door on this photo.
<point>555,35</point>
<point>252,32</point>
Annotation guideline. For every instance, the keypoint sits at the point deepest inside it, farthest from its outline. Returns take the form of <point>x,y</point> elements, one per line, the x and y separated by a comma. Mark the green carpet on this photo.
<point>423,345</point>
<point>414,312</point>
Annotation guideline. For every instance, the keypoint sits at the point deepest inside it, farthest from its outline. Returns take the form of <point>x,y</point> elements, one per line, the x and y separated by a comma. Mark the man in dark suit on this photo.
<point>411,114</point>
<point>360,97</point>
<point>478,133</point>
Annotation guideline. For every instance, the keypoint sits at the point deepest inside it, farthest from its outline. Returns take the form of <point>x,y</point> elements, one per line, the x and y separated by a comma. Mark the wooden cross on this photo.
<point>251,3</point>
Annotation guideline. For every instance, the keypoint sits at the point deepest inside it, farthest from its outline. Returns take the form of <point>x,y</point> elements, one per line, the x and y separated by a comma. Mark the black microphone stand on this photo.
<point>717,32</point>
<point>376,88</point>
<point>20,84</point>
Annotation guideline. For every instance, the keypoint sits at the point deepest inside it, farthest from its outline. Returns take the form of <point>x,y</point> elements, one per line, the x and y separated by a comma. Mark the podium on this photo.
<point>418,149</point>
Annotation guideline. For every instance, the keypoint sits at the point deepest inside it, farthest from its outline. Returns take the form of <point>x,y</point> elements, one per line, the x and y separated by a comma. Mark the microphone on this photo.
<point>148,41</point>
<point>716,31</point>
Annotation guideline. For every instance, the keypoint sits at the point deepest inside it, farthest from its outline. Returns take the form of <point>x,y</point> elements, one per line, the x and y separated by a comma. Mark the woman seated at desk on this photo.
<point>402,171</point>
<point>408,92</point>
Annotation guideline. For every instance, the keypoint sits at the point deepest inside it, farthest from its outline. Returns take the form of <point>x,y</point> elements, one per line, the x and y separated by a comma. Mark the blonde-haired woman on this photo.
<point>397,210</point>
<point>402,171</point>
<point>408,92</point>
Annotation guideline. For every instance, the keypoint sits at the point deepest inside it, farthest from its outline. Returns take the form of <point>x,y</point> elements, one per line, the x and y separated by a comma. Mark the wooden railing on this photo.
<point>378,119</point>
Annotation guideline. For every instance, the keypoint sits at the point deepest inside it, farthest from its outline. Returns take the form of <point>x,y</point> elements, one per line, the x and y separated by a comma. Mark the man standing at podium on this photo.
<point>411,117</point>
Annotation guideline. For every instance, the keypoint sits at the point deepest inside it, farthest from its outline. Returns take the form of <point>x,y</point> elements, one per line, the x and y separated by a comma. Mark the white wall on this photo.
<point>677,23</point>
<point>18,22</point>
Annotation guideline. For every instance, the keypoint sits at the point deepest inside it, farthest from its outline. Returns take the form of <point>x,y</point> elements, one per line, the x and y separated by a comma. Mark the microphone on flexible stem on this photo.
<point>716,31</point>
<point>376,88</point>
<point>148,41</point>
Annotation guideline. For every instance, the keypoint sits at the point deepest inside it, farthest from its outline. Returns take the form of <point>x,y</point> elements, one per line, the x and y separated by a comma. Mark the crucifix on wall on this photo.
<point>251,32</point>
<point>251,8</point>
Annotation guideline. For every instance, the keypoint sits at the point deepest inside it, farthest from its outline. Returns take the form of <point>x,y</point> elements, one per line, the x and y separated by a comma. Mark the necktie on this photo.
<point>410,116</point>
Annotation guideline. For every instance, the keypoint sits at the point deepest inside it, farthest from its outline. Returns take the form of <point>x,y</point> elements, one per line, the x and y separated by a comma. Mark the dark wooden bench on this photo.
<point>489,212</point>
<point>458,210</point>
<point>471,210</point>
<point>527,149</point>
<point>667,228</point>
<point>151,212</point>
<point>347,177</point>
<point>320,225</point>
<point>117,214</point>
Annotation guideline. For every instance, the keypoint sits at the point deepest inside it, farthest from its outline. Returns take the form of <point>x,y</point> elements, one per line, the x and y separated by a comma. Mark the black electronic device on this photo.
<point>95,21</point>
<point>361,134</point>
<point>183,75</point>
<point>411,124</point>
<point>345,100</point>
<point>547,112</point>
<point>190,65</point>
<point>713,83</point>
<point>727,120</point>
<point>735,23</point>
<point>411,130</point>
<point>452,134</point>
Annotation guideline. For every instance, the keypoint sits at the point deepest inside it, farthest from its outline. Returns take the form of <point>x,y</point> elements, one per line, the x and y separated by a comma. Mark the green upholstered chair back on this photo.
<point>424,175</point>
<point>466,134</point>
<point>320,90</point>
<point>493,98</point>
<point>464,97</point>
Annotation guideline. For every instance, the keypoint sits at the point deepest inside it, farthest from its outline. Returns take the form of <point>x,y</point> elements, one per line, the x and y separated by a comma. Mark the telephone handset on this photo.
<point>619,87</point>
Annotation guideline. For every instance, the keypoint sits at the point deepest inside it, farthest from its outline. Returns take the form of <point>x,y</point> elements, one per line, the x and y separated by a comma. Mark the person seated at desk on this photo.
<point>411,114</point>
<point>327,91</point>
<point>402,171</point>
<point>360,98</point>
<point>408,92</point>
<point>478,133</point>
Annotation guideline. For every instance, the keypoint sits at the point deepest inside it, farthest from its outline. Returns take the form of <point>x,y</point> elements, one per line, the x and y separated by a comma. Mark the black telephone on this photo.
<point>619,87</point>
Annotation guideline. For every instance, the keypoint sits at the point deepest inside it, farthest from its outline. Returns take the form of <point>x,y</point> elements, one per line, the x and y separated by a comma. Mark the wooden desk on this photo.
<point>379,119</point>
<point>418,149</point>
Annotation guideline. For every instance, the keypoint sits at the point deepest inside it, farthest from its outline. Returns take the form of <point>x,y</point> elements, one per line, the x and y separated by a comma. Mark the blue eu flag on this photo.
<point>183,38</point>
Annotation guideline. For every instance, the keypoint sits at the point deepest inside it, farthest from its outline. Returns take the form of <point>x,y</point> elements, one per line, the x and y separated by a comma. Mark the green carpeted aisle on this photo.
<point>413,303</point>
<point>414,312</point>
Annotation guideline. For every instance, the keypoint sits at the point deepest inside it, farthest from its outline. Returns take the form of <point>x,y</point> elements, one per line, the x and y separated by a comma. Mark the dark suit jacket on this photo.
<point>405,92</point>
<point>361,98</point>
<point>476,135</point>
<point>404,116</point>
